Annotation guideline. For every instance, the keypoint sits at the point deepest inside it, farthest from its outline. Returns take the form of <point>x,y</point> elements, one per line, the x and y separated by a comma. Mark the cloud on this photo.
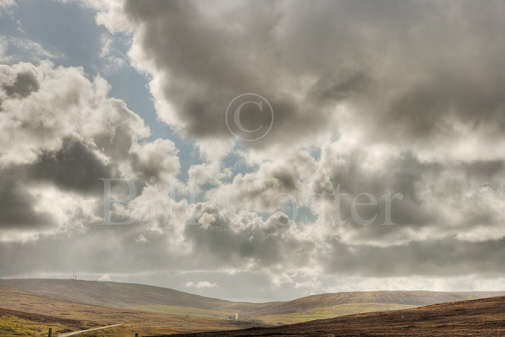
<point>141,238</point>
<point>18,207</point>
<point>367,70</point>
<point>17,49</point>
<point>155,159</point>
<point>449,208</point>
<point>368,97</point>
<point>60,134</point>
<point>114,59</point>
<point>201,284</point>
<point>106,278</point>
<point>7,6</point>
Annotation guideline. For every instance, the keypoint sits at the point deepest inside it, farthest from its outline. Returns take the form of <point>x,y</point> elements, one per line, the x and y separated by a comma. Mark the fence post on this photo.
<point>50,333</point>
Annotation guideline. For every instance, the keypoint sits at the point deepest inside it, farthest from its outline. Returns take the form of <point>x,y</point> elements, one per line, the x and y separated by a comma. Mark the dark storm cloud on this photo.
<point>209,63</point>
<point>408,71</point>
<point>331,88</point>
<point>437,200</point>
<point>404,174</point>
<point>74,167</point>
<point>18,205</point>
<point>434,257</point>
<point>25,84</point>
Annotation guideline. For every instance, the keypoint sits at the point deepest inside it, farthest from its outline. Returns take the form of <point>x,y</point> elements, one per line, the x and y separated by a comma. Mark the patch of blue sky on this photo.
<point>235,162</point>
<point>299,215</point>
<point>69,32</point>
<point>315,152</point>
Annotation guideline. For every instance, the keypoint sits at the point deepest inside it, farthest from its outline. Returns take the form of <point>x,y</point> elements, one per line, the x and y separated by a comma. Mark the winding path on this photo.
<point>81,331</point>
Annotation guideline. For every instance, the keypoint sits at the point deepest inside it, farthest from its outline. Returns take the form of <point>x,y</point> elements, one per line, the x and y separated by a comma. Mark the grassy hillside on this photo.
<point>482,317</point>
<point>18,323</point>
<point>93,315</point>
<point>304,304</point>
<point>113,294</point>
<point>179,310</point>
<point>330,312</point>
<point>132,298</point>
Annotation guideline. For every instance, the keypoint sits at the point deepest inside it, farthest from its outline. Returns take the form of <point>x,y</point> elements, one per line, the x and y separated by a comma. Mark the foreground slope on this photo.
<point>483,317</point>
<point>31,304</point>
<point>19,323</point>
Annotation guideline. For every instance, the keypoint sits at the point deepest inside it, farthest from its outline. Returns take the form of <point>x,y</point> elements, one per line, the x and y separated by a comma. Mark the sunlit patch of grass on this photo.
<point>12,325</point>
<point>333,311</point>
<point>185,311</point>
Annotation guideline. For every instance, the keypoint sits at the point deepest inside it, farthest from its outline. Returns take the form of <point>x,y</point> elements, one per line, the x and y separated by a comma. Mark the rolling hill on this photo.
<point>482,317</point>
<point>157,300</point>
<point>23,309</point>
<point>412,298</point>
<point>112,294</point>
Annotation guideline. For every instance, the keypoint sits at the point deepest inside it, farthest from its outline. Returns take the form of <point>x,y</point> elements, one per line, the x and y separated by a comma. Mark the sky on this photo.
<point>254,150</point>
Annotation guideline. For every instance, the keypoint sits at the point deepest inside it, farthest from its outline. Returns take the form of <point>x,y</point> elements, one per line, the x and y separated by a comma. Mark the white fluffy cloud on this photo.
<point>60,133</point>
<point>106,278</point>
<point>201,284</point>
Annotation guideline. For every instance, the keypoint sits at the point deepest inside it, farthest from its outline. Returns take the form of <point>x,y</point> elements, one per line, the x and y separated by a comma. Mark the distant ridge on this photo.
<point>112,294</point>
<point>165,300</point>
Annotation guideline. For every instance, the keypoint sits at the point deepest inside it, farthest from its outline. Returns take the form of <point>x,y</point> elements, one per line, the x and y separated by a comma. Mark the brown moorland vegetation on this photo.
<point>147,298</point>
<point>22,316</point>
<point>483,317</point>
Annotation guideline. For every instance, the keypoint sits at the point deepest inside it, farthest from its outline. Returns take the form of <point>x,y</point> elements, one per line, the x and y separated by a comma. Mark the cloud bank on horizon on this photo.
<point>376,97</point>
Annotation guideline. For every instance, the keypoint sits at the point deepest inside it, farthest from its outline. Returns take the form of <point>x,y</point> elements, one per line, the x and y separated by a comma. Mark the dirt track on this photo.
<point>88,330</point>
